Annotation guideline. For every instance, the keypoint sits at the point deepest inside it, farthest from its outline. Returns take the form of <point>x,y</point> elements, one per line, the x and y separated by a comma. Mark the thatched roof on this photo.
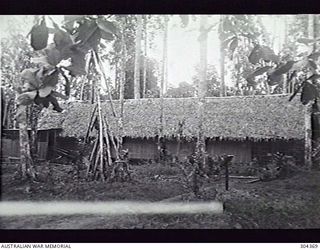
<point>236,118</point>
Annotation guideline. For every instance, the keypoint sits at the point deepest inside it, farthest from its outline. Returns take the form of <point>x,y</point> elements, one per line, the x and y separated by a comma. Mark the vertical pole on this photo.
<point>222,58</point>
<point>311,33</point>
<point>227,161</point>
<point>164,56</point>
<point>27,169</point>
<point>162,87</point>
<point>92,91</point>
<point>308,109</point>
<point>122,85</point>
<point>227,176</point>
<point>308,137</point>
<point>202,88</point>
<point>137,58</point>
<point>145,57</point>
<point>23,136</point>
<point>285,76</point>
<point>100,136</point>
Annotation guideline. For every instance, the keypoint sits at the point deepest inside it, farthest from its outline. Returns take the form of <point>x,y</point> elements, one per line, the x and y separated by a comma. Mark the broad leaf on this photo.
<point>45,91</point>
<point>78,65</point>
<point>309,93</point>
<point>51,79</point>
<point>251,82</point>
<point>69,21</point>
<point>26,98</point>
<point>262,53</point>
<point>39,35</point>
<point>314,77</point>
<point>30,75</point>
<point>62,39</point>
<point>43,60</point>
<point>45,101</point>
<point>106,36</point>
<point>284,68</point>
<point>53,55</point>
<point>274,79</point>
<point>268,54</point>
<point>89,35</point>
<point>107,26</point>
<point>260,71</point>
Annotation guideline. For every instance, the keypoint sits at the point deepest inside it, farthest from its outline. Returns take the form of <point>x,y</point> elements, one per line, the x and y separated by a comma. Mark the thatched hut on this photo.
<point>46,143</point>
<point>246,127</point>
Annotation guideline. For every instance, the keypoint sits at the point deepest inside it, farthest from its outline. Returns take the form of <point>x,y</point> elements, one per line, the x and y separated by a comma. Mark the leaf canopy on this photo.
<point>309,93</point>
<point>39,35</point>
<point>261,52</point>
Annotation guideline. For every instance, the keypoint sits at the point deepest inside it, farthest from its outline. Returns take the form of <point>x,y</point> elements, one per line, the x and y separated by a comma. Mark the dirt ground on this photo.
<point>287,203</point>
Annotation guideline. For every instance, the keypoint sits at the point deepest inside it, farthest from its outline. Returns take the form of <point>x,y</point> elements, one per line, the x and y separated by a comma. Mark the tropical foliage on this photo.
<point>66,56</point>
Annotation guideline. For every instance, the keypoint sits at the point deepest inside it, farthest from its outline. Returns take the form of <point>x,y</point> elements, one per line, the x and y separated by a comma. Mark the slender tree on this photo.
<point>137,57</point>
<point>122,83</point>
<point>222,56</point>
<point>144,79</point>
<point>202,87</point>
<point>163,83</point>
<point>308,108</point>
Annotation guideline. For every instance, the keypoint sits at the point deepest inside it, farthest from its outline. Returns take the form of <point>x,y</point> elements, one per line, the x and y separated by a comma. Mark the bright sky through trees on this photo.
<point>183,45</point>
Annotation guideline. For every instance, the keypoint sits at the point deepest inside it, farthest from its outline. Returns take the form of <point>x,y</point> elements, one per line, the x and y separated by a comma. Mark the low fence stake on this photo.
<point>226,163</point>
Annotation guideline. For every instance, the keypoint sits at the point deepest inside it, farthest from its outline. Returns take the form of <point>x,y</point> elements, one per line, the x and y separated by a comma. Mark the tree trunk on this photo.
<point>137,58</point>
<point>222,59</point>
<point>116,79</point>
<point>145,57</point>
<point>101,152</point>
<point>285,42</point>
<point>26,164</point>
<point>162,87</point>
<point>308,137</point>
<point>308,111</point>
<point>311,30</point>
<point>201,147</point>
<point>35,111</point>
<point>122,85</point>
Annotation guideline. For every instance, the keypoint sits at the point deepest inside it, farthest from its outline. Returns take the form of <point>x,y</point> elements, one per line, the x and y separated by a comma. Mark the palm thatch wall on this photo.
<point>232,118</point>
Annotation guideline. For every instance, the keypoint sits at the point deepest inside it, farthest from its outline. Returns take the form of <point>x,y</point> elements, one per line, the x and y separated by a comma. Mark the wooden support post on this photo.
<point>90,123</point>
<point>107,135</point>
<point>227,176</point>
<point>95,146</point>
<point>226,162</point>
<point>94,171</point>
<point>100,135</point>
<point>100,67</point>
<point>111,138</point>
